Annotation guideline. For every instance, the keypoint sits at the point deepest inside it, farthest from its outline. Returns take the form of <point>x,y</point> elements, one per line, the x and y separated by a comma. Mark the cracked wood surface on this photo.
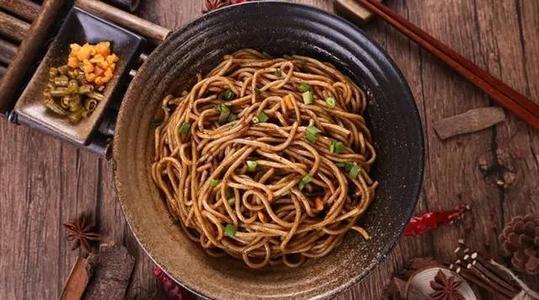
<point>45,182</point>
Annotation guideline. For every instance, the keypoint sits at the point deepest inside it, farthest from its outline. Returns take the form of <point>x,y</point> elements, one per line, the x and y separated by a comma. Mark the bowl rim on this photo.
<point>350,28</point>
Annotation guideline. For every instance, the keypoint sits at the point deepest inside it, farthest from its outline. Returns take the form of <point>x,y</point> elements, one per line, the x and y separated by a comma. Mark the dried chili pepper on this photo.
<point>172,290</point>
<point>431,220</point>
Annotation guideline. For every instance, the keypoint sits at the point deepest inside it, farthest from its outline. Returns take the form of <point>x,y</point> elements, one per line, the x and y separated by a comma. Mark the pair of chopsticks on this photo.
<point>504,95</point>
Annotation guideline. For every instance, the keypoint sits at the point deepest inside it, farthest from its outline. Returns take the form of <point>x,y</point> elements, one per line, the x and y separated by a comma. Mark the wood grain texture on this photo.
<point>24,9</point>
<point>12,27</point>
<point>45,183</point>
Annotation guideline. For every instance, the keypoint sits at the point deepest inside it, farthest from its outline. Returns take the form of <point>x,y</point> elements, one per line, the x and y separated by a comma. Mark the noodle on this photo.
<point>266,159</point>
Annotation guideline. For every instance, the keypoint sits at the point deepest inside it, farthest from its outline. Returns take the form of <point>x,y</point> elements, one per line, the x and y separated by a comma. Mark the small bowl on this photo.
<point>278,28</point>
<point>79,27</point>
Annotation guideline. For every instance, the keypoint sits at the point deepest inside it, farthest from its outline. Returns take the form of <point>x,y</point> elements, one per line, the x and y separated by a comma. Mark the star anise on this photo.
<point>81,233</point>
<point>445,288</point>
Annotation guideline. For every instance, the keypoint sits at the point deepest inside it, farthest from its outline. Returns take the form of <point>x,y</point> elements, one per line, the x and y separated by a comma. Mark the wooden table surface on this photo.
<point>44,182</point>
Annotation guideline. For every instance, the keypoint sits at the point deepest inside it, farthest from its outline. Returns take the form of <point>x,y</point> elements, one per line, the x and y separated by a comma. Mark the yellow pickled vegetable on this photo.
<point>96,61</point>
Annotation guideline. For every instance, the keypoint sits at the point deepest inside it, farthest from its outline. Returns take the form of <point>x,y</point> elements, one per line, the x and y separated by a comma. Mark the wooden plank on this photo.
<point>24,9</point>
<point>13,28</point>
<point>512,33</point>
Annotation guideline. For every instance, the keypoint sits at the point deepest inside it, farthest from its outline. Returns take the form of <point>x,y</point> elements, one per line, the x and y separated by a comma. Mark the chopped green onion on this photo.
<point>228,94</point>
<point>261,118</point>
<point>224,112</point>
<point>352,168</point>
<point>307,97</point>
<point>331,102</point>
<point>336,147</point>
<point>304,87</point>
<point>278,72</point>
<point>184,129</point>
<point>230,230</point>
<point>229,193</point>
<point>311,134</point>
<point>231,201</point>
<point>354,171</point>
<point>232,117</point>
<point>214,182</point>
<point>304,181</point>
<point>251,165</point>
<point>348,166</point>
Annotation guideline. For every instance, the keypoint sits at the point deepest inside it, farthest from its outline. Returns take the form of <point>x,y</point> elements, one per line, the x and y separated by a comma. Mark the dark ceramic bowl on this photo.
<point>278,28</point>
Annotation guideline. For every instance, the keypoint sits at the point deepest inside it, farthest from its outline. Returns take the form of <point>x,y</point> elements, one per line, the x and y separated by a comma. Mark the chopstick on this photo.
<point>504,95</point>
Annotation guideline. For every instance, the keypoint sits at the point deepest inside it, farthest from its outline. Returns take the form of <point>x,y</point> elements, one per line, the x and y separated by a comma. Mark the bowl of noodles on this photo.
<point>268,150</point>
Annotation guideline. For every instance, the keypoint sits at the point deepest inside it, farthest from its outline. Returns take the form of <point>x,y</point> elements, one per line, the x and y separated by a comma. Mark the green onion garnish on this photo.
<point>331,102</point>
<point>311,134</point>
<point>214,182</point>
<point>352,168</point>
<point>184,129</point>
<point>336,147</point>
<point>307,97</point>
<point>303,87</point>
<point>231,201</point>
<point>230,230</point>
<point>229,193</point>
<point>278,72</point>
<point>354,171</point>
<point>348,166</point>
<point>304,181</point>
<point>228,94</point>
<point>232,117</point>
<point>224,112</point>
<point>261,118</point>
<point>251,165</point>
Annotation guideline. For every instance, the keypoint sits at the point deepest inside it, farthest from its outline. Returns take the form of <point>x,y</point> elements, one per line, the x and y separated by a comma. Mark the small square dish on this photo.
<point>79,27</point>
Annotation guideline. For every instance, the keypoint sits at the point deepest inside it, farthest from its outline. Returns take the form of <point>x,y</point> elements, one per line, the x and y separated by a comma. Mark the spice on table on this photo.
<point>111,269</point>
<point>480,271</point>
<point>445,287</point>
<point>520,241</point>
<point>431,220</point>
<point>77,280</point>
<point>468,122</point>
<point>171,288</point>
<point>82,233</point>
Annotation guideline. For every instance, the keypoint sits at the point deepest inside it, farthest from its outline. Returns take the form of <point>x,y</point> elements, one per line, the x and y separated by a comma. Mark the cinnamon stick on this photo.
<point>76,281</point>
<point>479,282</point>
<point>487,265</point>
<point>492,276</point>
<point>12,27</point>
<point>24,9</point>
<point>154,32</point>
<point>7,51</point>
<point>468,122</point>
<point>29,48</point>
